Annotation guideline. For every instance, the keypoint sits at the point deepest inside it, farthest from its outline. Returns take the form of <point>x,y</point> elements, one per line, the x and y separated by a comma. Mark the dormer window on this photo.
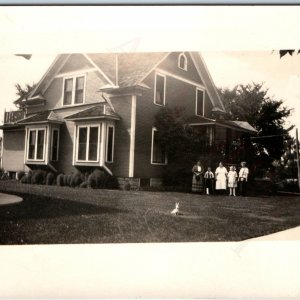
<point>182,62</point>
<point>74,90</point>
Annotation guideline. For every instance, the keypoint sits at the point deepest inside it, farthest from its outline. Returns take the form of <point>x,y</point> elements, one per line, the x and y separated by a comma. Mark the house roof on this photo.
<point>132,67</point>
<point>199,120</point>
<point>128,70</point>
<point>99,111</point>
<point>238,125</point>
<point>47,116</point>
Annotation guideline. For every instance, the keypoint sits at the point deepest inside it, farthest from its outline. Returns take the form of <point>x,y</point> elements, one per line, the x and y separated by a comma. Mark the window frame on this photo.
<point>155,81</point>
<point>74,78</point>
<point>152,148</point>
<point>88,126</point>
<point>185,61</point>
<point>52,142</point>
<point>203,104</point>
<point>36,130</point>
<point>113,144</point>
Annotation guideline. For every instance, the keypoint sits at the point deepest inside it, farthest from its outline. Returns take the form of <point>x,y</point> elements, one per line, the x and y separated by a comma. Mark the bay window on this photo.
<point>36,144</point>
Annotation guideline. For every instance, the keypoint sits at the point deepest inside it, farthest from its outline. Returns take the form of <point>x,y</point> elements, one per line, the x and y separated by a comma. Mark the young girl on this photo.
<point>232,180</point>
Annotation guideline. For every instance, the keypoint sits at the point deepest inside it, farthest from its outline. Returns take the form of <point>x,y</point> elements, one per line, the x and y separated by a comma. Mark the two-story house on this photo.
<point>97,111</point>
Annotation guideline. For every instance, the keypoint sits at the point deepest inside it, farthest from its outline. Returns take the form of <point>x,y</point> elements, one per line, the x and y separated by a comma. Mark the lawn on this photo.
<point>54,215</point>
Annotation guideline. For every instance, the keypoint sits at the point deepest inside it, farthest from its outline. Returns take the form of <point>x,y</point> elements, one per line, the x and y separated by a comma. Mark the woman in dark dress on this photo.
<point>197,183</point>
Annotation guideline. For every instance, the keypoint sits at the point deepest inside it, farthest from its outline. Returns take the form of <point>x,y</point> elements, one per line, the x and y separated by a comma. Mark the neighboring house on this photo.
<point>98,110</point>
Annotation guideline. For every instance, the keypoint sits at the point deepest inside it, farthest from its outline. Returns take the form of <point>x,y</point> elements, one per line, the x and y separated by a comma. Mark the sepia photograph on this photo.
<point>110,146</point>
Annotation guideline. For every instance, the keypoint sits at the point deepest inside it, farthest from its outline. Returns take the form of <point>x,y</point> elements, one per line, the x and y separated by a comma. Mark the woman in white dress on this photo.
<point>221,177</point>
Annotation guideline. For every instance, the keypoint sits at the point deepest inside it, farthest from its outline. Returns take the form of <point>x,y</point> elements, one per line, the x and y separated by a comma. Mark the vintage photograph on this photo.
<point>144,147</point>
<point>145,156</point>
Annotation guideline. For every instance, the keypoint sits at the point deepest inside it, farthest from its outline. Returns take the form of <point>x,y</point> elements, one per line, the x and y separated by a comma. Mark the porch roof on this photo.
<point>99,111</point>
<point>238,125</point>
<point>47,116</point>
<point>235,125</point>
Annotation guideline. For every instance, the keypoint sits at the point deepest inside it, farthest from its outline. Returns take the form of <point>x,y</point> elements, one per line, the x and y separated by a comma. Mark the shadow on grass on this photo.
<point>37,207</point>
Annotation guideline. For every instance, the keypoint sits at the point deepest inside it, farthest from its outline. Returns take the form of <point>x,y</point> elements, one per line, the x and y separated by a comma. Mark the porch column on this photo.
<point>132,136</point>
<point>103,144</point>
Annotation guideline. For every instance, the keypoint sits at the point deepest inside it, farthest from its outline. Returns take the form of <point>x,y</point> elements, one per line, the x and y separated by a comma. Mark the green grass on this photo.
<point>54,215</point>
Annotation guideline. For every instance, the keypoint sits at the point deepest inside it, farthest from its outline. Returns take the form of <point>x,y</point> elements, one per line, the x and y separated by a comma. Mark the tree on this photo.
<point>268,116</point>
<point>23,92</point>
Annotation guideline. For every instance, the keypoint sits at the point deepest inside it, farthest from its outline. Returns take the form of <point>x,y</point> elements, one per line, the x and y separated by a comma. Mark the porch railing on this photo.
<point>11,117</point>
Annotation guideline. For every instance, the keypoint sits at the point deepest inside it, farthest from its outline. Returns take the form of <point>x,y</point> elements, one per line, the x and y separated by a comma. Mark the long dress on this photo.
<point>221,174</point>
<point>197,183</point>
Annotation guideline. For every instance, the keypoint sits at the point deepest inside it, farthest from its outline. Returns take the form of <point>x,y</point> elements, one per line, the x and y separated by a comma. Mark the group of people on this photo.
<point>209,182</point>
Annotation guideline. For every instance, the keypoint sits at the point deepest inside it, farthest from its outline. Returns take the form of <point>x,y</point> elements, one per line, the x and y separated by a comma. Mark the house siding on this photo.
<point>13,150</point>
<point>170,64</point>
<point>120,166</point>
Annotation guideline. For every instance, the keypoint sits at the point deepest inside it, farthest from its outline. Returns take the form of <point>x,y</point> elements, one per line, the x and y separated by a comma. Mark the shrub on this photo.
<point>50,178</point>
<point>20,175</point>
<point>77,179</point>
<point>84,184</point>
<point>111,182</point>
<point>60,180</point>
<point>65,180</point>
<point>26,178</point>
<point>97,179</point>
<point>38,177</point>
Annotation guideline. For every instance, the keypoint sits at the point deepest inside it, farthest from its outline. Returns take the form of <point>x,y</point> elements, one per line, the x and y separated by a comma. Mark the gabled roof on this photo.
<point>47,116</point>
<point>99,111</point>
<point>132,67</point>
<point>129,69</point>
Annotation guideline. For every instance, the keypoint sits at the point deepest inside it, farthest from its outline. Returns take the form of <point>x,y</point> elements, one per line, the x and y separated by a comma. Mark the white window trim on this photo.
<point>113,144</point>
<point>35,143</point>
<point>57,151</point>
<point>164,76</point>
<point>152,146</point>
<point>87,143</point>
<point>196,106</point>
<point>185,61</point>
<point>74,77</point>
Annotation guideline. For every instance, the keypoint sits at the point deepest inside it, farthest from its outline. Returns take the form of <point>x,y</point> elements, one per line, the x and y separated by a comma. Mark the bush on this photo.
<point>60,180</point>
<point>97,179</point>
<point>38,177</point>
<point>20,175</point>
<point>50,178</point>
<point>65,180</point>
<point>77,179</point>
<point>26,178</point>
<point>111,182</point>
<point>84,185</point>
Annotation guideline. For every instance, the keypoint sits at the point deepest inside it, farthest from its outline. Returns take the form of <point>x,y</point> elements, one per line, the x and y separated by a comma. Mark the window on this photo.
<point>74,90</point>
<point>182,61</point>
<point>160,89</point>
<point>110,143</point>
<point>54,144</point>
<point>200,96</point>
<point>88,143</point>
<point>36,144</point>
<point>158,153</point>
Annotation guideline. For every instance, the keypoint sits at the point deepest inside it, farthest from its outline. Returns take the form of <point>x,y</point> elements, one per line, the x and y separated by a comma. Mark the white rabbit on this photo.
<point>175,211</point>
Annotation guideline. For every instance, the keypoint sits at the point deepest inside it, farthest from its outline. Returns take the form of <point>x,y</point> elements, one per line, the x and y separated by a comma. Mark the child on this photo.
<point>209,181</point>
<point>232,181</point>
